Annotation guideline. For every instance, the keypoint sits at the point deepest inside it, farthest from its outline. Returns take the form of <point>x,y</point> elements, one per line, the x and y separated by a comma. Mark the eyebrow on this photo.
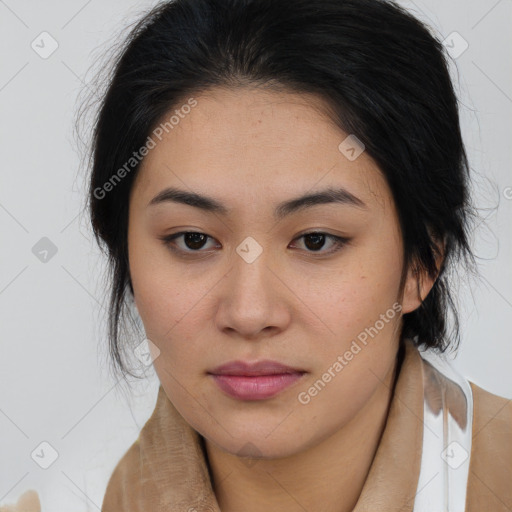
<point>209,204</point>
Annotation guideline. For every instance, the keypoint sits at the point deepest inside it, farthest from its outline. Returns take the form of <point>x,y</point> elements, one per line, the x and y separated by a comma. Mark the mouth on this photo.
<point>255,381</point>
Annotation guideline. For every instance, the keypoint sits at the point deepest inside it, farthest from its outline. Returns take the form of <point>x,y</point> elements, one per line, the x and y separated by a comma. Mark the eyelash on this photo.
<point>339,241</point>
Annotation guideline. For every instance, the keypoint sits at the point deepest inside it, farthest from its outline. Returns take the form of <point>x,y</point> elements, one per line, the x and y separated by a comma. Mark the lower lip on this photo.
<point>258,387</point>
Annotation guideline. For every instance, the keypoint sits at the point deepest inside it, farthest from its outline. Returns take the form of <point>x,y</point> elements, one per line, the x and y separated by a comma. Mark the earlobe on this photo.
<point>417,286</point>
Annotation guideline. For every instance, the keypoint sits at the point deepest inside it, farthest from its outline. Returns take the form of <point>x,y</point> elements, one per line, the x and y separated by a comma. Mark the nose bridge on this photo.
<point>251,266</point>
<point>250,299</point>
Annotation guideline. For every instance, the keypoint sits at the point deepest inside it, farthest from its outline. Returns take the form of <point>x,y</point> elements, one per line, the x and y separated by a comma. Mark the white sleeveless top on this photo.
<point>447,436</point>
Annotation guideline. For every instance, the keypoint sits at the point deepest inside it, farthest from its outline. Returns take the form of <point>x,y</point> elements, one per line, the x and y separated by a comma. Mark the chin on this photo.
<point>254,448</point>
<point>263,438</point>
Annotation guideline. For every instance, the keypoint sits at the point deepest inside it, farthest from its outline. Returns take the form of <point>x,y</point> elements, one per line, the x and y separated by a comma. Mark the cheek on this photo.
<point>161,294</point>
<point>361,304</point>
<point>174,306</point>
<point>365,287</point>
<point>155,295</point>
<point>168,313</point>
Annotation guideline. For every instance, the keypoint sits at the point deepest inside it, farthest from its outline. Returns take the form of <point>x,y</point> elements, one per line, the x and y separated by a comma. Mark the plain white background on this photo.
<point>54,382</point>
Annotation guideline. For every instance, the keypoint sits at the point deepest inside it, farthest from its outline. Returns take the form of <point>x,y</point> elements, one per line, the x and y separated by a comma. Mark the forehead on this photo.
<point>258,145</point>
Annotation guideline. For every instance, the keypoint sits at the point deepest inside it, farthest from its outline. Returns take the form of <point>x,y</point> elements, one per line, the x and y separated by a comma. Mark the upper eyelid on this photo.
<point>311,232</point>
<point>336,238</point>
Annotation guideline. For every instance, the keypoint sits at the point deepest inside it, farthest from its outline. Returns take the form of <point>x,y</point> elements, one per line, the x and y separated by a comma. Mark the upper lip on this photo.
<point>252,369</point>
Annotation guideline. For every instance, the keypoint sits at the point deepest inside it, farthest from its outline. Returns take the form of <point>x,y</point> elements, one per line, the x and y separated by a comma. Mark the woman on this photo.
<point>282,189</point>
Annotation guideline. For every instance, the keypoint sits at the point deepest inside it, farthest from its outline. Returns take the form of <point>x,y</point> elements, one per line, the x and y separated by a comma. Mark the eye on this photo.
<point>315,241</point>
<point>194,241</point>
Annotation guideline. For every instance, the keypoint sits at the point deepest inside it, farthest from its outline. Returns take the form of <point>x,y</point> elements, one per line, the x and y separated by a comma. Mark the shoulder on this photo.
<point>490,469</point>
<point>491,412</point>
<point>492,426</point>
<point>27,502</point>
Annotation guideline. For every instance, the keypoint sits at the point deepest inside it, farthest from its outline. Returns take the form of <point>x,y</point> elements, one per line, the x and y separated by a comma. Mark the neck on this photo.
<point>328,477</point>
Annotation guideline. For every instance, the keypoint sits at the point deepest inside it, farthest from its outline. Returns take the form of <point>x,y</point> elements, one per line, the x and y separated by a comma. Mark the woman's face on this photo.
<point>252,288</point>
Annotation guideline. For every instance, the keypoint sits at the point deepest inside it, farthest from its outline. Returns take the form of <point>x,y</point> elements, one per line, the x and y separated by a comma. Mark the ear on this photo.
<point>418,282</point>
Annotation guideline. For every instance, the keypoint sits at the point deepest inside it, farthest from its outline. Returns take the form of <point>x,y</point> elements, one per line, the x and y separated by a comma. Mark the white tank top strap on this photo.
<point>447,437</point>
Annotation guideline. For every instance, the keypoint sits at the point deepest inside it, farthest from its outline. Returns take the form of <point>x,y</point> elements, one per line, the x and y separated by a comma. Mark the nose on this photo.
<point>253,301</point>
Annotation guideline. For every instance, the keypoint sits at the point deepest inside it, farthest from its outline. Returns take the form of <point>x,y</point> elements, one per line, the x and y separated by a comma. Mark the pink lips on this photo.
<point>254,381</point>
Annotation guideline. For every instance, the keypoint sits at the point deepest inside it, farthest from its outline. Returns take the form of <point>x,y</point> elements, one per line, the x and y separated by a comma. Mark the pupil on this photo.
<point>194,239</point>
<point>317,239</point>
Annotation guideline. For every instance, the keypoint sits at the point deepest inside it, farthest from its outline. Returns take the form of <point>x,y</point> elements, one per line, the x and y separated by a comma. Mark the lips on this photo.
<point>255,381</point>
<point>252,369</point>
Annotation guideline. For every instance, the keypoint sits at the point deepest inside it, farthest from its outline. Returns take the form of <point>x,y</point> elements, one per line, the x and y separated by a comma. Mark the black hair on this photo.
<point>385,76</point>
